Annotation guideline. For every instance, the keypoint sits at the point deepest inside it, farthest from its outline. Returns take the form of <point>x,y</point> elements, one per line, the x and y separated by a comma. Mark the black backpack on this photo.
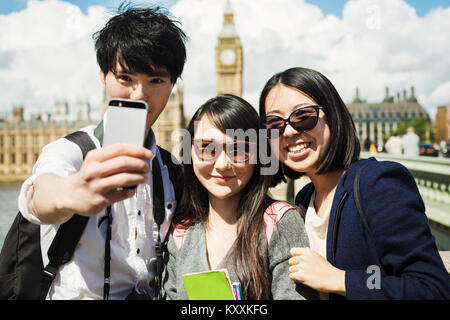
<point>22,273</point>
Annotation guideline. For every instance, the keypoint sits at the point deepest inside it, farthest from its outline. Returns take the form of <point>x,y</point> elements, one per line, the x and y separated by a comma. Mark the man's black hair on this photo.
<point>142,40</point>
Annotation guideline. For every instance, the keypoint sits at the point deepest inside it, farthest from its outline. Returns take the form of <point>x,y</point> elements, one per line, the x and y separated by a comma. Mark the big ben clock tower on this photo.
<point>229,56</point>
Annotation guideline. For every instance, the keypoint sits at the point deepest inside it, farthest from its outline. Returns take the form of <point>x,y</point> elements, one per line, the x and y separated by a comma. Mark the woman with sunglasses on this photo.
<point>387,252</point>
<point>222,221</point>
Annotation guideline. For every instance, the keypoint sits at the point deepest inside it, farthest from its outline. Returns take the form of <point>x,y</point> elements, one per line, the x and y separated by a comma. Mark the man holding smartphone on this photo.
<point>141,54</point>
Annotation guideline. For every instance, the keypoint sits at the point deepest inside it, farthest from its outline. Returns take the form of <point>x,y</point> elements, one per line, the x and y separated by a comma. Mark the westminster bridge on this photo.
<point>432,175</point>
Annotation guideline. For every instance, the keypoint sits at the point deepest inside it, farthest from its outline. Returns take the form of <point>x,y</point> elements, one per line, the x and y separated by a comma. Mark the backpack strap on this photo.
<point>159,214</point>
<point>69,233</point>
<point>358,201</point>
<point>175,172</point>
<point>272,215</point>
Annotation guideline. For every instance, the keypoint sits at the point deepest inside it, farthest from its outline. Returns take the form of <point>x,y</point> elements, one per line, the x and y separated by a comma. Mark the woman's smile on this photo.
<point>222,179</point>
<point>297,150</point>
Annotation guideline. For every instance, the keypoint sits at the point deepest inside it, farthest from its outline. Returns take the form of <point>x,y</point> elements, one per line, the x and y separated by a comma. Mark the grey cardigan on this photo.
<point>289,232</point>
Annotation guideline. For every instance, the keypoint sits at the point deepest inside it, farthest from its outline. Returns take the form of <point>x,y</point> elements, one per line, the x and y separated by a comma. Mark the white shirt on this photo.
<point>410,144</point>
<point>317,229</point>
<point>133,230</point>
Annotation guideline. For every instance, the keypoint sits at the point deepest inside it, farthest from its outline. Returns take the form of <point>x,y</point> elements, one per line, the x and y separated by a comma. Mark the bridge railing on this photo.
<point>432,176</point>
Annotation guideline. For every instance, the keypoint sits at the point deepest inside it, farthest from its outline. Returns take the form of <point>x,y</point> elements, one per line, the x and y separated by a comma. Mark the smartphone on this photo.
<point>125,121</point>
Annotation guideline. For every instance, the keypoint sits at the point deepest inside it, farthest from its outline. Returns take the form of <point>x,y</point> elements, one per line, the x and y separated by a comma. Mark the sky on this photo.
<point>327,6</point>
<point>47,54</point>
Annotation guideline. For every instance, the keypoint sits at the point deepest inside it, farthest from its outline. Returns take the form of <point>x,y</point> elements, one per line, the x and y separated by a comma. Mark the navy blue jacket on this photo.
<point>401,244</point>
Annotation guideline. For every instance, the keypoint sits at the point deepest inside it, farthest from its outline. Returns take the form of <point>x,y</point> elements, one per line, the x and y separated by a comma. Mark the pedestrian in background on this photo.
<point>367,144</point>
<point>394,145</point>
<point>410,143</point>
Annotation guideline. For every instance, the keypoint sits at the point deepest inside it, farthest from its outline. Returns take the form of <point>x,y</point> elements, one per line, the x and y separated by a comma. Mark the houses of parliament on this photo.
<point>21,141</point>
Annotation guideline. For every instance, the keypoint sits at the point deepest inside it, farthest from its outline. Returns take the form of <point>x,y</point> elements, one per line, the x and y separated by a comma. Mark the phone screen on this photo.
<point>125,121</point>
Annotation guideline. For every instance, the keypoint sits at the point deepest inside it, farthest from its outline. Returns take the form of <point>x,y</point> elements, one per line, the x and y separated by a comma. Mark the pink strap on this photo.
<point>272,215</point>
<point>178,235</point>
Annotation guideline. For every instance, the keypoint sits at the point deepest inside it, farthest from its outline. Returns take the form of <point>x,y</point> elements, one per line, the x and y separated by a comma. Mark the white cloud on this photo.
<point>46,50</point>
<point>438,97</point>
<point>377,43</point>
<point>49,56</point>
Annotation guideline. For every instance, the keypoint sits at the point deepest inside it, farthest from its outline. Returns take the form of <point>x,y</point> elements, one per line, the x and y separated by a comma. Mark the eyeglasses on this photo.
<point>237,152</point>
<point>302,120</point>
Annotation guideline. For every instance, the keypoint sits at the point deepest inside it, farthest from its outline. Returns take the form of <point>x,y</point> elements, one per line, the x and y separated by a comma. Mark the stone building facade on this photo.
<point>377,120</point>
<point>170,120</point>
<point>442,123</point>
<point>22,141</point>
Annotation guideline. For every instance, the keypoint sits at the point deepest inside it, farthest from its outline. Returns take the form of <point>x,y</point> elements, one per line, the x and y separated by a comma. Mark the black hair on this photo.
<point>231,112</point>
<point>141,40</point>
<point>345,147</point>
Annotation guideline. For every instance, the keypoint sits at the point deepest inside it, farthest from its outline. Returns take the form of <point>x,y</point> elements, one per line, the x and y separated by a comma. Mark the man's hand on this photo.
<point>311,269</point>
<point>95,186</point>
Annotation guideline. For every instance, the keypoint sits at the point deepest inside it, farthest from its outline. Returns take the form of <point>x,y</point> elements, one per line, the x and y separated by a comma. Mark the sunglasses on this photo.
<point>237,152</point>
<point>302,120</point>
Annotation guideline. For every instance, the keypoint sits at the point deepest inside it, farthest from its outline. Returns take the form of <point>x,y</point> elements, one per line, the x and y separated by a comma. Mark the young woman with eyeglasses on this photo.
<point>384,250</point>
<point>222,219</point>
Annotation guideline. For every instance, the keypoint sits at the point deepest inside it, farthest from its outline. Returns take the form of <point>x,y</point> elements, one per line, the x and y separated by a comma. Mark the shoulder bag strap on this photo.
<point>358,200</point>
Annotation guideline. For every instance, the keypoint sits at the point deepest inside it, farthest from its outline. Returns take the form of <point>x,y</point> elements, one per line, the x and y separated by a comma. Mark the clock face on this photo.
<point>227,56</point>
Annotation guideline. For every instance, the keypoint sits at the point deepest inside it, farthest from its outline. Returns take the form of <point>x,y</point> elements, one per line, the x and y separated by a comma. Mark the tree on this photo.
<point>421,127</point>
